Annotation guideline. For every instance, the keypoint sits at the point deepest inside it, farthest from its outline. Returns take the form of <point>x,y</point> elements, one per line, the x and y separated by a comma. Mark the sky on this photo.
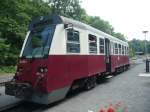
<point>129,17</point>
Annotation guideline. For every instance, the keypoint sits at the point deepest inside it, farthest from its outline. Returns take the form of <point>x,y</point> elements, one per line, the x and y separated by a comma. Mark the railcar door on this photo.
<point>108,55</point>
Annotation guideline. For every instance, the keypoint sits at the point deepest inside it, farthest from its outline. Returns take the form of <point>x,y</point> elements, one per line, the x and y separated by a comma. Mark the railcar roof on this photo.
<point>56,19</point>
<point>90,28</point>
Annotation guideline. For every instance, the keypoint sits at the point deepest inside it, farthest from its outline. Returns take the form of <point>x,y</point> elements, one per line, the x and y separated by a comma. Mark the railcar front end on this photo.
<point>36,66</point>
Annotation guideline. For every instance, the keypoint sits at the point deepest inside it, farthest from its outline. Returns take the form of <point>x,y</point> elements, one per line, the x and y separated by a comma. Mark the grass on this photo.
<point>7,69</point>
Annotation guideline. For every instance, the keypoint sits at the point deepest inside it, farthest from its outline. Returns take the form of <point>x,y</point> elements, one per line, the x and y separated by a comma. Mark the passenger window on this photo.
<point>116,48</point>
<point>101,45</point>
<point>73,36</point>
<point>112,48</point>
<point>73,42</point>
<point>120,49</point>
<point>125,50</point>
<point>92,44</point>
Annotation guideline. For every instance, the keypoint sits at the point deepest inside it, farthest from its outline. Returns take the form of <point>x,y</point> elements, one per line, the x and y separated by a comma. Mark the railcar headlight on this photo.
<point>42,69</point>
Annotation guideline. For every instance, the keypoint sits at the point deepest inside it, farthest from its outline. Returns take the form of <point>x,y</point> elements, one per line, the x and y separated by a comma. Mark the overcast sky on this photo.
<point>130,17</point>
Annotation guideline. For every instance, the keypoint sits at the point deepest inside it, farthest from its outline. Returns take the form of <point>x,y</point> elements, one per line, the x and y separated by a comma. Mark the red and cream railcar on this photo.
<point>60,54</point>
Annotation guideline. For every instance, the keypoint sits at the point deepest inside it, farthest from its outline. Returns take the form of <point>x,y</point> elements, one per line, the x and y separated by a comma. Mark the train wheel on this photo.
<point>90,83</point>
<point>128,67</point>
<point>121,69</point>
<point>100,79</point>
<point>124,68</point>
<point>94,81</point>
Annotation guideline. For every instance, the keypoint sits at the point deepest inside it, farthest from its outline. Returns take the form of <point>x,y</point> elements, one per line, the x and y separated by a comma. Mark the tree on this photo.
<point>119,35</point>
<point>68,8</point>
<point>139,45</point>
<point>100,24</point>
<point>15,16</point>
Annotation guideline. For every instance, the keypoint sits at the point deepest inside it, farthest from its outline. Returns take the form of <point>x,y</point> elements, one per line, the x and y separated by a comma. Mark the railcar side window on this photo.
<point>73,36</point>
<point>125,50</point>
<point>92,44</point>
<point>112,48</point>
<point>122,50</point>
<point>101,45</point>
<point>116,48</point>
<point>73,42</point>
<point>119,48</point>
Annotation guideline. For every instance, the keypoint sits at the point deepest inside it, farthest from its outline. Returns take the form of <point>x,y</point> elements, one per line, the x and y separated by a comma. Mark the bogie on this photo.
<point>90,83</point>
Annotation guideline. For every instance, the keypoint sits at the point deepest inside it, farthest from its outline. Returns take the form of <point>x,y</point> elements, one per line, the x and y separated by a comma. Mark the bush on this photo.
<point>7,69</point>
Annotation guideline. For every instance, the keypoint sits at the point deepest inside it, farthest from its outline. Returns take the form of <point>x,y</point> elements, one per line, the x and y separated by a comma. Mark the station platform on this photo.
<point>144,74</point>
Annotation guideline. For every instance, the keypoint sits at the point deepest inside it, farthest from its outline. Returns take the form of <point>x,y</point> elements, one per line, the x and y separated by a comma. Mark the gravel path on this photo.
<point>6,77</point>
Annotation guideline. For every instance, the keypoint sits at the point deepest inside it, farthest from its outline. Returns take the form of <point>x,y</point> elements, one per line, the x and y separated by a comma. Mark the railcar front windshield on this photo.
<point>39,42</point>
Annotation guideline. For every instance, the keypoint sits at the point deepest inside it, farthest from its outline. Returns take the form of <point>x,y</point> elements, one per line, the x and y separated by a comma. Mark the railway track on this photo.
<point>7,107</point>
<point>4,79</point>
<point>3,83</point>
<point>26,107</point>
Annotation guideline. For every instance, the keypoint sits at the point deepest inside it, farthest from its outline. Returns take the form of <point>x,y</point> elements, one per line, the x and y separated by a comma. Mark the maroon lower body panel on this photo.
<point>64,69</point>
<point>119,60</point>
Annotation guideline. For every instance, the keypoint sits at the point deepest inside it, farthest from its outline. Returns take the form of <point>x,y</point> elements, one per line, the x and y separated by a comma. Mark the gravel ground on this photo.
<point>5,78</point>
<point>6,100</point>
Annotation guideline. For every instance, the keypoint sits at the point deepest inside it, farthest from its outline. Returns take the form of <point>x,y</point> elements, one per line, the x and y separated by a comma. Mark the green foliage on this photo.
<point>131,53</point>
<point>119,35</point>
<point>100,24</point>
<point>68,8</point>
<point>15,16</point>
<point>139,46</point>
<point>7,69</point>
